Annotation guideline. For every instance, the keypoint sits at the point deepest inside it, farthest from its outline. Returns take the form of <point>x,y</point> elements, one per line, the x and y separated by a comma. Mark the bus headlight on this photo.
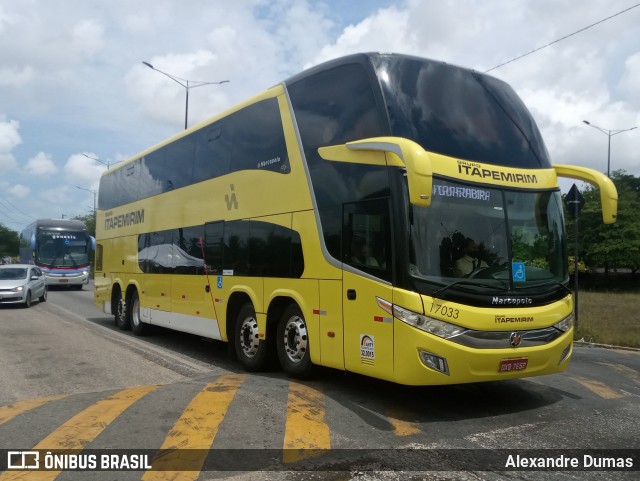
<point>428,324</point>
<point>565,324</point>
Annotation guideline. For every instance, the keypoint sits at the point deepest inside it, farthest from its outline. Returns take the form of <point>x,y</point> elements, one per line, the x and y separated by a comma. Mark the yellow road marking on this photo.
<point>401,427</point>
<point>195,431</point>
<point>306,433</point>
<point>81,429</point>
<point>7,413</point>
<point>626,370</point>
<point>599,388</point>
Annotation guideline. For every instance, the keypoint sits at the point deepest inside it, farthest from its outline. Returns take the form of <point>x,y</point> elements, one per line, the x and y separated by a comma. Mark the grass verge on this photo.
<point>609,318</point>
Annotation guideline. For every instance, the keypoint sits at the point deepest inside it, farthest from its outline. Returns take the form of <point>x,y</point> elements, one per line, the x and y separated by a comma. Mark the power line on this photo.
<point>563,38</point>
<point>15,210</point>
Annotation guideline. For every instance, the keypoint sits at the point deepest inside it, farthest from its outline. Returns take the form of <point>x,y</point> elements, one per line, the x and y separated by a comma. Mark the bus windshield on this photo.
<point>57,248</point>
<point>459,113</point>
<point>494,239</point>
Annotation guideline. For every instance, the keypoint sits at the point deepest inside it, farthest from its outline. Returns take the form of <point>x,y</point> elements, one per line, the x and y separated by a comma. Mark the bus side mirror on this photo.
<point>608,192</point>
<point>392,152</point>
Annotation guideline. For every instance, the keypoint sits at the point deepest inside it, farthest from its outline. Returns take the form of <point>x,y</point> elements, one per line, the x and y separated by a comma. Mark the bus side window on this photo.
<point>367,237</point>
<point>212,152</point>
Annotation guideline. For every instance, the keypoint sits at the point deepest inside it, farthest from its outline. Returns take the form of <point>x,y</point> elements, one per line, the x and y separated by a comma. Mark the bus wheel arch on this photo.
<point>243,333</point>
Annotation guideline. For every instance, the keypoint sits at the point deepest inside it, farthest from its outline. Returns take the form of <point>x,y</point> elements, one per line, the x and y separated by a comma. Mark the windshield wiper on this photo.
<point>457,283</point>
<point>550,284</point>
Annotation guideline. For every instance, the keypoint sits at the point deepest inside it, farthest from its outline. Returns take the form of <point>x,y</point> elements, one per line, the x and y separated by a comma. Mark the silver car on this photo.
<point>21,283</point>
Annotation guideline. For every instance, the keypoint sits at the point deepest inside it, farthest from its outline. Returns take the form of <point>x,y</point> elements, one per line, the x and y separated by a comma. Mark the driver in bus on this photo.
<point>470,261</point>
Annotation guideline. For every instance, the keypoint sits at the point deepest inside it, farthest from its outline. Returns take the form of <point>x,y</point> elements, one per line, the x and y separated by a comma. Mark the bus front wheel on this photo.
<point>293,344</point>
<point>250,349</point>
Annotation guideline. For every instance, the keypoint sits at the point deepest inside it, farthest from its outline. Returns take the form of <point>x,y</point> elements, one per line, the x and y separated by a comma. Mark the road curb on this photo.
<point>605,346</point>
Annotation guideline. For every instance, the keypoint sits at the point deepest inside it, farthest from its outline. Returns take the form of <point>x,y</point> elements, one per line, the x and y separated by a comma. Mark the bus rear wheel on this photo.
<point>293,344</point>
<point>121,312</point>
<point>251,351</point>
<point>138,327</point>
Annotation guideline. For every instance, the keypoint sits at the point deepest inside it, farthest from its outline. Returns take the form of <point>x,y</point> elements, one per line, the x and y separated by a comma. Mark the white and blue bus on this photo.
<point>61,248</point>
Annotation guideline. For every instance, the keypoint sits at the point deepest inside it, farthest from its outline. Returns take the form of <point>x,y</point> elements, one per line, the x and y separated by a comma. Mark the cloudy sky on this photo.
<point>72,80</point>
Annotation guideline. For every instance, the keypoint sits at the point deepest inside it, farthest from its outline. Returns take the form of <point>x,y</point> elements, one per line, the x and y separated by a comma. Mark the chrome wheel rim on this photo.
<point>295,339</point>
<point>249,340</point>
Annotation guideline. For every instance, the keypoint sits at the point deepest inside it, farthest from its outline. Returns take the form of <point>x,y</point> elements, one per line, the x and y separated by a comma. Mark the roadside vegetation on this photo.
<point>609,318</point>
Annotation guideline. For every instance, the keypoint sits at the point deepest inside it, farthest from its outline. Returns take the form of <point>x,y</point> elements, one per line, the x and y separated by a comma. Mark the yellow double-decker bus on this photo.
<point>383,214</point>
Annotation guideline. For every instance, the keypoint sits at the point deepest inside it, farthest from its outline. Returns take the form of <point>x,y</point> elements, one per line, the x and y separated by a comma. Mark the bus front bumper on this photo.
<point>425,359</point>
<point>70,278</point>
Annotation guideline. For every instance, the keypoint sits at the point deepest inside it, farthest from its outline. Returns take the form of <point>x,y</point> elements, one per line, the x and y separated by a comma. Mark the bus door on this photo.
<point>367,259</point>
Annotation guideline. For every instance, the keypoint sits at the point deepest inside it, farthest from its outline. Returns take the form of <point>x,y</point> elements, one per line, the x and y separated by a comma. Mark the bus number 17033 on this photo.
<point>444,311</point>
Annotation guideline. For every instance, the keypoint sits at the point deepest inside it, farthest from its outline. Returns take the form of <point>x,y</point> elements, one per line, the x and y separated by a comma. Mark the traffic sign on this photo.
<point>574,201</point>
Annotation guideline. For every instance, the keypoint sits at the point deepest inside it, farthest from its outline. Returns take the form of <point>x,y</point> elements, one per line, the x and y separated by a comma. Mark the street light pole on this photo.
<point>187,84</point>
<point>94,198</point>
<point>107,163</point>
<point>608,133</point>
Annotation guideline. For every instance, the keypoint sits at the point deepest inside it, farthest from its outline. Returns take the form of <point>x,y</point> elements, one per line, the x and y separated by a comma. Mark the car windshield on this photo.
<point>62,248</point>
<point>13,273</point>
<point>486,238</point>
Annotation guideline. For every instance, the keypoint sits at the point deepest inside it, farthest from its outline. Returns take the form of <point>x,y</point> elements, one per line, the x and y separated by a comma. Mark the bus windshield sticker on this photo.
<point>461,192</point>
<point>519,272</point>
<point>227,272</point>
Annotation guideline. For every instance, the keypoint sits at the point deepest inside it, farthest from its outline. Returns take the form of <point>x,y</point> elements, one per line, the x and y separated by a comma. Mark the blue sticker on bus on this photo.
<point>219,282</point>
<point>519,272</point>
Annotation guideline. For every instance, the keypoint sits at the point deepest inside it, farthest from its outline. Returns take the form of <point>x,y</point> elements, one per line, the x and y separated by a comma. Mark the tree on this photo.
<point>616,245</point>
<point>90,221</point>
<point>9,242</point>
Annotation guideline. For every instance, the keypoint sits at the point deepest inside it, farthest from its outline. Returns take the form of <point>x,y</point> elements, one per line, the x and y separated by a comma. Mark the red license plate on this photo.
<point>510,365</point>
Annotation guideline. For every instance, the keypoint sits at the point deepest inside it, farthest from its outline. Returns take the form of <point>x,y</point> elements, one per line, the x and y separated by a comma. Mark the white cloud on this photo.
<point>19,191</point>
<point>84,171</point>
<point>88,36</point>
<point>630,81</point>
<point>9,140</point>
<point>41,164</point>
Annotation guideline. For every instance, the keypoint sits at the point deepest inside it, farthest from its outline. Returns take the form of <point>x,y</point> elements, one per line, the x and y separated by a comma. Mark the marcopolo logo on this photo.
<point>511,301</point>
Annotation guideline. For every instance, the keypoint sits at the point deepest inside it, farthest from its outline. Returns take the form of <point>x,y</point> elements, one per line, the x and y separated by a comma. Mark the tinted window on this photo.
<point>250,139</point>
<point>214,247</point>
<point>158,253</point>
<point>179,157</point>
<point>459,113</point>
<point>258,139</point>
<point>367,237</point>
<point>334,107</point>
<point>188,250</point>
<point>213,151</point>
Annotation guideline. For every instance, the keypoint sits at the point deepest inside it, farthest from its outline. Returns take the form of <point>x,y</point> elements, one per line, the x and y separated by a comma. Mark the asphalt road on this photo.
<point>69,379</point>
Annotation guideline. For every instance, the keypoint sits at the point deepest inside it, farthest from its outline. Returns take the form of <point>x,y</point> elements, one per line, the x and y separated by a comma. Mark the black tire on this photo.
<point>138,327</point>
<point>293,344</point>
<point>27,300</point>
<point>43,297</point>
<point>251,351</point>
<point>122,320</point>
